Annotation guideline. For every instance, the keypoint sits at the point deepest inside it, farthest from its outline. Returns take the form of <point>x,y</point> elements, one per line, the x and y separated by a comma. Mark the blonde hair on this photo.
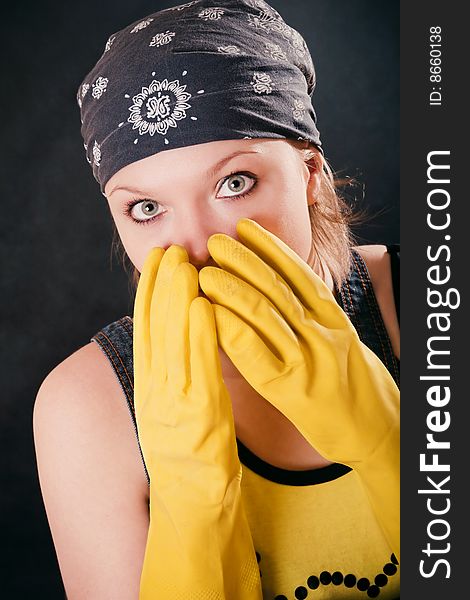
<point>331,219</point>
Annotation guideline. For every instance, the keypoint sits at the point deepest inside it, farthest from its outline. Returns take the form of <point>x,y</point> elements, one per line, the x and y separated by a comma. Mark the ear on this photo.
<point>315,168</point>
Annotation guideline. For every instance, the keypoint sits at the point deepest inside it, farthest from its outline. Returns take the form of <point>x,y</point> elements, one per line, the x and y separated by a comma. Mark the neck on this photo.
<point>319,266</point>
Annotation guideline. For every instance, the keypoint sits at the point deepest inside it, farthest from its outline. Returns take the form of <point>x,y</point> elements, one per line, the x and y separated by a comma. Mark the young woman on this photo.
<point>238,438</point>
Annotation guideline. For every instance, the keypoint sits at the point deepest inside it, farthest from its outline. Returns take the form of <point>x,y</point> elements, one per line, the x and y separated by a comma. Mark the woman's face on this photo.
<point>183,196</point>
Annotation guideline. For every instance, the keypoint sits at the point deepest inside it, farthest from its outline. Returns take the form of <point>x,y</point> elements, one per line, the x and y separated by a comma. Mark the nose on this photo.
<point>193,230</point>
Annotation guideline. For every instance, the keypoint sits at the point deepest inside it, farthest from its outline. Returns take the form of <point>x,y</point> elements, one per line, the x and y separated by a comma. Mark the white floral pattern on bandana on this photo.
<point>298,109</point>
<point>109,43</point>
<point>229,49</point>
<point>275,51</point>
<point>183,6</point>
<point>262,21</point>
<point>159,106</point>
<point>261,83</point>
<point>162,38</point>
<point>211,14</point>
<point>99,87</point>
<point>141,25</point>
<point>96,153</point>
<point>299,43</point>
<point>272,21</point>
<point>84,89</point>
<point>263,6</point>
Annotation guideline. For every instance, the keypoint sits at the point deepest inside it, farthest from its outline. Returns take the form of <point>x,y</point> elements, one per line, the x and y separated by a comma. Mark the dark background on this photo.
<point>58,285</point>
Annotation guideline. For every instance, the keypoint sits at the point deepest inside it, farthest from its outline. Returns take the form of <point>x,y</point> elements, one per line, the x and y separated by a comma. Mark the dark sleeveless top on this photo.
<point>356,297</point>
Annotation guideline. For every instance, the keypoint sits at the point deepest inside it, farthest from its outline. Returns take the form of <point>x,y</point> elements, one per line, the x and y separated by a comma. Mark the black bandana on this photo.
<point>194,73</point>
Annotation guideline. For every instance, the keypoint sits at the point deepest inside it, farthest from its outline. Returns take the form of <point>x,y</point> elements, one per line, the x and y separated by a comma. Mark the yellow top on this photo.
<point>315,534</point>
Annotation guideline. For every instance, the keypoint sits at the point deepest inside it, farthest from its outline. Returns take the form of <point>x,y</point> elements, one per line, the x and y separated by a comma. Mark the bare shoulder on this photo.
<point>378,264</point>
<point>84,383</point>
<point>91,476</point>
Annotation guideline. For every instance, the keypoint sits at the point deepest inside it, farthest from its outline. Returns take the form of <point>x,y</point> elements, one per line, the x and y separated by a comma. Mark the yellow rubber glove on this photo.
<point>284,331</point>
<point>199,543</point>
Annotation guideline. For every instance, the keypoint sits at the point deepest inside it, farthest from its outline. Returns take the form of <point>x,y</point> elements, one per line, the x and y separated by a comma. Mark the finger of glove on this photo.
<point>206,371</point>
<point>304,282</point>
<point>213,430</point>
<point>142,349</point>
<point>174,256</point>
<point>239,260</point>
<point>184,288</point>
<point>246,349</point>
<point>255,309</point>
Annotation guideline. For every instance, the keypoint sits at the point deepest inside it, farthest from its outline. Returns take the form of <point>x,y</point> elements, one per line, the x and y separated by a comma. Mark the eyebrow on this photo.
<point>209,174</point>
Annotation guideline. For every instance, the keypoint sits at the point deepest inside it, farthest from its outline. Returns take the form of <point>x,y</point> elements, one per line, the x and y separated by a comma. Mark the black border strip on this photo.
<point>428,129</point>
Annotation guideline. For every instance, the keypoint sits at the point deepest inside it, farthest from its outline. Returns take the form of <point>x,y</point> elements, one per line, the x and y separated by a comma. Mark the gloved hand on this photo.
<point>284,331</point>
<point>199,543</point>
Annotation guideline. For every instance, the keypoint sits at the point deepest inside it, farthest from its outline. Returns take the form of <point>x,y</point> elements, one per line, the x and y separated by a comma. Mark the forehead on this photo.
<point>198,158</point>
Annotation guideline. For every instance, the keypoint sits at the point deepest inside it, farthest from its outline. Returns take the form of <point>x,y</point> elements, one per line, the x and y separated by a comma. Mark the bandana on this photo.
<point>199,72</point>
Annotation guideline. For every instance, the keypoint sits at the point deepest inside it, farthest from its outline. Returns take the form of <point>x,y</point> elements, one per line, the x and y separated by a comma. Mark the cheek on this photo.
<point>288,218</point>
<point>295,230</point>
